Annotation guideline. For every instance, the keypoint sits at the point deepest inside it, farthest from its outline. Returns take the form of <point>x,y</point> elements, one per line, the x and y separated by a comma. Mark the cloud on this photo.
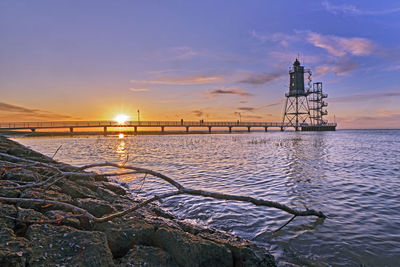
<point>17,113</point>
<point>198,113</point>
<point>139,89</point>
<point>353,10</point>
<point>339,67</point>
<point>13,108</point>
<point>364,97</point>
<point>286,56</point>
<point>234,90</point>
<point>247,116</point>
<point>246,109</point>
<point>183,52</point>
<point>340,46</point>
<point>384,119</point>
<point>281,38</point>
<point>191,80</point>
<point>262,78</point>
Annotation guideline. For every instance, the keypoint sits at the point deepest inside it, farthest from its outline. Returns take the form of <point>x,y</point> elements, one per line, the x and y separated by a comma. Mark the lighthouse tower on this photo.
<point>297,110</point>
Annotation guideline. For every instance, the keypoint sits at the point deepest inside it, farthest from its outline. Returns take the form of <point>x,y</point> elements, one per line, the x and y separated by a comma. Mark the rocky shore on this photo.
<point>40,234</point>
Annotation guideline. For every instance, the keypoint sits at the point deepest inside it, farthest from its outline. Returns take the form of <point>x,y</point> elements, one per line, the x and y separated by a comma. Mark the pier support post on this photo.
<point>162,128</point>
<point>281,129</point>
<point>248,129</point>
<point>71,129</point>
<point>135,128</point>
<point>33,130</point>
<point>266,129</point>
<point>105,129</point>
<point>209,129</point>
<point>230,129</point>
<point>187,129</point>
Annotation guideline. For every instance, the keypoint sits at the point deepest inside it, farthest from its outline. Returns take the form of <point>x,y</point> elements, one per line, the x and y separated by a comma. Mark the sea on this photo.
<point>352,176</point>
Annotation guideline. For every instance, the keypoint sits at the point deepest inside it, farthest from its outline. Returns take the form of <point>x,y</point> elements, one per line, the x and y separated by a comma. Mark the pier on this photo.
<point>135,125</point>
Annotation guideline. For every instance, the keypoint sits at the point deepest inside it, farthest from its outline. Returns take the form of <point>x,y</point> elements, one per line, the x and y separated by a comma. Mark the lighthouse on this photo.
<point>297,111</point>
<point>305,107</point>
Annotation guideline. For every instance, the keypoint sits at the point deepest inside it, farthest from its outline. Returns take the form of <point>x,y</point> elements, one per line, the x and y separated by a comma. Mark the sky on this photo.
<point>192,60</point>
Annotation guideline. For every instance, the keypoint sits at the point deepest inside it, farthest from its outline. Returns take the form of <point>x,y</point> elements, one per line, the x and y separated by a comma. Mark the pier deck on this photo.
<point>71,125</point>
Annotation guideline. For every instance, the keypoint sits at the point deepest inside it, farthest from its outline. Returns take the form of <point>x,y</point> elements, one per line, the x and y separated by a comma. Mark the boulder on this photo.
<point>189,250</point>
<point>114,187</point>
<point>8,210</point>
<point>96,207</point>
<point>123,236</point>
<point>14,250</point>
<point>147,256</point>
<point>66,246</point>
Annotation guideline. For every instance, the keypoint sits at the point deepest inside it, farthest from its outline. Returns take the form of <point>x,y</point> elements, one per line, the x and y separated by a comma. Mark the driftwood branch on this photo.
<point>136,170</point>
<point>52,202</point>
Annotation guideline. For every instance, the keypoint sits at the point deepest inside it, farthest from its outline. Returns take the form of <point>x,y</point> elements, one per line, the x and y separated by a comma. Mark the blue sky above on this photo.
<point>197,59</point>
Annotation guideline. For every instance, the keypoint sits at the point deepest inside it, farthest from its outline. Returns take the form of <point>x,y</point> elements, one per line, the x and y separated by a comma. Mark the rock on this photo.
<point>147,256</point>
<point>189,250</point>
<point>66,246</point>
<point>20,175</point>
<point>146,237</point>
<point>80,177</point>
<point>16,151</point>
<point>24,218</point>
<point>121,238</point>
<point>106,194</point>
<point>8,210</point>
<point>10,193</point>
<point>114,187</point>
<point>64,218</point>
<point>14,250</point>
<point>50,195</point>
<point>96,207</point>
<point>75,190</point>
<point>251,255</point>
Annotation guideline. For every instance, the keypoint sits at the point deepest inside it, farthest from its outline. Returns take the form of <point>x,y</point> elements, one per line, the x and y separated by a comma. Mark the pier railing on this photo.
<point>71,125</point>
<point>77,124</point>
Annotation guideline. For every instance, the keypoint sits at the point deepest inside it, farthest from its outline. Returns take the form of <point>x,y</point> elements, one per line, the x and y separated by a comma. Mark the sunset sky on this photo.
<point>211,60</point>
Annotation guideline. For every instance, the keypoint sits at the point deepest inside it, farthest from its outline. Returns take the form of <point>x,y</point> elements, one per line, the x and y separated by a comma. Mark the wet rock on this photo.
<point>8,210</point>
<point>96,207</point>
<point>106,194</point>
<point>122,237</point>
<point>189,250</point>
<point>147,256</point>
<point>66,246</point>
<point>80,177</point>
<point>114,187</point>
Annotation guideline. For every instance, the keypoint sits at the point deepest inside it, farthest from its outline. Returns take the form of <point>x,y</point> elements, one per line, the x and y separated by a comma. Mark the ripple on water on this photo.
<point>352,176</point>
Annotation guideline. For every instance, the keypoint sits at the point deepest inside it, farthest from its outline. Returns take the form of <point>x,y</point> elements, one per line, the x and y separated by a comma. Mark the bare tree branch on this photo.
<point>286,223</point>
<point>53,202</point>
<point>139,170</point>
<point>136,170</point>
<point>31,185</point>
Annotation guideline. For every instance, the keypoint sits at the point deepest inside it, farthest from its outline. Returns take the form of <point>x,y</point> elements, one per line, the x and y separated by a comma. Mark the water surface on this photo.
<point>352,176</point>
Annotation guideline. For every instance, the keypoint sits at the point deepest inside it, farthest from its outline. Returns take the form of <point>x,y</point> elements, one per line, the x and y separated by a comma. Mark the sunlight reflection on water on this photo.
<point>352,176</point>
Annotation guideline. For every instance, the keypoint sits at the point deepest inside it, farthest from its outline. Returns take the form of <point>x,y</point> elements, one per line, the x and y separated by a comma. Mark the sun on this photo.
<point>121,118</point>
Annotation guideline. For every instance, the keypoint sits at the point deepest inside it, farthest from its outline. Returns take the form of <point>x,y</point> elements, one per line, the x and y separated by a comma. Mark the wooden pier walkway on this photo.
<point>104,125</point>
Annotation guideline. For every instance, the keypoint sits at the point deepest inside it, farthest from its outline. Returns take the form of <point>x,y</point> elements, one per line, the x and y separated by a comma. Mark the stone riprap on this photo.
<point>38,234</point>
